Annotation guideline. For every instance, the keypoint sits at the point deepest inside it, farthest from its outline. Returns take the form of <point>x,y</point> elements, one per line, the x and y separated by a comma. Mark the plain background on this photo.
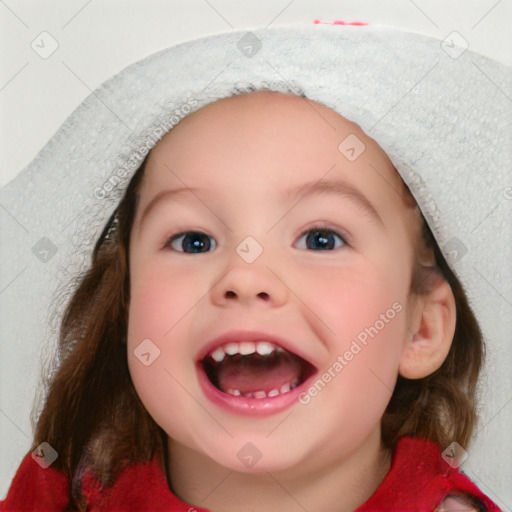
<point>96,39</point>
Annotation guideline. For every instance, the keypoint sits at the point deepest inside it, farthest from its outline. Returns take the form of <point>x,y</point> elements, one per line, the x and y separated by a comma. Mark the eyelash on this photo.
<point>315,228</point>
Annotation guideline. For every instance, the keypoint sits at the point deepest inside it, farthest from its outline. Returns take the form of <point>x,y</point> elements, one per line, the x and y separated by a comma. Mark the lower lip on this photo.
<point>247,406</point>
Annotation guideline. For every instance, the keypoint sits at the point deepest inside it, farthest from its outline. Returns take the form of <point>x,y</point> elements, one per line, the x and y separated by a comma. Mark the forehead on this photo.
<point>263,136</point>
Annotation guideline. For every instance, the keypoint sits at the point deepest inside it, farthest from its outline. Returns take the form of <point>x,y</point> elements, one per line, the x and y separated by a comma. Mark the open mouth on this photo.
<point>256,370</point>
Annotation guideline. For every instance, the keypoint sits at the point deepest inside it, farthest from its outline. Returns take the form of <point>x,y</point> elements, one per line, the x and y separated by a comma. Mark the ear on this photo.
<point>432,322</point>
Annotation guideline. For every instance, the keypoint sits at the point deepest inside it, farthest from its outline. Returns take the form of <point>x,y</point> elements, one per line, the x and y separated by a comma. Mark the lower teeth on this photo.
<point>264,394</point>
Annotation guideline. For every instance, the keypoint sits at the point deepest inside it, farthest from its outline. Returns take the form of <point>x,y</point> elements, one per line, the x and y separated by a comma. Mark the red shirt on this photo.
<point>417,481</point>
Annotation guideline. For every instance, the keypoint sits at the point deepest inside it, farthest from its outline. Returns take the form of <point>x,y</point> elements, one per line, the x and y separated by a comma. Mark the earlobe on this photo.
<point>433,329</point>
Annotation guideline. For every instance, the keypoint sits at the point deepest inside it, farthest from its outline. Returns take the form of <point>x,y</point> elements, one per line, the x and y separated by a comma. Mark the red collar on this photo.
<point>418,480</point>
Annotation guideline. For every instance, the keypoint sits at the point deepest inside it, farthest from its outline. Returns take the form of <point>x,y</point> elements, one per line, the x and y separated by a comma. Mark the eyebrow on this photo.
<point>164,195</point>
<point>310,188</point>
<point>338,188</point>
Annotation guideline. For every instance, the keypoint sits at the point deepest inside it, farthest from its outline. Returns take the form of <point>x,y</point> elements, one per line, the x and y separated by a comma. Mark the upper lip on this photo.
<point>240,335</point>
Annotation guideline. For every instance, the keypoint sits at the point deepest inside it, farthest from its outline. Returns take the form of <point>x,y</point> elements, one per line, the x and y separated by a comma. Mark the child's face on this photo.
<point>241,156</point>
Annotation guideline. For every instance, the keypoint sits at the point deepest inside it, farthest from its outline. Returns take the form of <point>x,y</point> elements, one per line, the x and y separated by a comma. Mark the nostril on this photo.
<point>230,294</point>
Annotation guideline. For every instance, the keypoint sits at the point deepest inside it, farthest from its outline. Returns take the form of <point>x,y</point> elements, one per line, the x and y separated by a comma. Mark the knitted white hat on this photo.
<point>442,113</point>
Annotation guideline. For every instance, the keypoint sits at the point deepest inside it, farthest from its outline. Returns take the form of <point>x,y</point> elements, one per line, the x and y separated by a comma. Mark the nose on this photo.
<point>250,283</point>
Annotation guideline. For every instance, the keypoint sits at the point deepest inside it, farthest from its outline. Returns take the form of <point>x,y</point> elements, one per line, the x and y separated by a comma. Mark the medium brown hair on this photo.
<point>95,420</point>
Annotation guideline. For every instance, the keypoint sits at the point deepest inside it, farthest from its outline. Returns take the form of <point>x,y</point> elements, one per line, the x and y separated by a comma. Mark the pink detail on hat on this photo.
<point>342,22</point>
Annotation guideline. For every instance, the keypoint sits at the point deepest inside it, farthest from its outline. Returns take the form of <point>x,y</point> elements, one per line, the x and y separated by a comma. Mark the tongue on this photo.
<point>253,373</point>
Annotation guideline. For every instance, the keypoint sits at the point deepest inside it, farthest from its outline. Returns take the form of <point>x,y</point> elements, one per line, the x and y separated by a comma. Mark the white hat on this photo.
<point>441,112</point>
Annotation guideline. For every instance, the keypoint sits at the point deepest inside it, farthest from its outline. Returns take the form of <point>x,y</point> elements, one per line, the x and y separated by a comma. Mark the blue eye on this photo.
<point>318,238</point>
<point>196,240</point>
<point>322,238</point>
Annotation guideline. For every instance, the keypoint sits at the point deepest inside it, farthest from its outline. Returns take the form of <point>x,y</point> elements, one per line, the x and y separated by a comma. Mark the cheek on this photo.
<point>155,311</point>
<point>348,301</point>
<point>158,300</point>
<point>146,342</point>
<point>151,311</point>
<point>364,311</point>
<point>354,389</point>
<point>377,324</point>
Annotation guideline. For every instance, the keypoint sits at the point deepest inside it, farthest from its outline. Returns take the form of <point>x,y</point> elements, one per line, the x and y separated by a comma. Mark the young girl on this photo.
<point>268,323</point>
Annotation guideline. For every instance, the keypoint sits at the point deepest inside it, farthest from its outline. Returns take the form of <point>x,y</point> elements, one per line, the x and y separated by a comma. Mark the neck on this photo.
<point>342,486</point>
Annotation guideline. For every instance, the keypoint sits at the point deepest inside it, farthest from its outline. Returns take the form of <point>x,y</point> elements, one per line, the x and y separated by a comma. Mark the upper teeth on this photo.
<point>264,348</point>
